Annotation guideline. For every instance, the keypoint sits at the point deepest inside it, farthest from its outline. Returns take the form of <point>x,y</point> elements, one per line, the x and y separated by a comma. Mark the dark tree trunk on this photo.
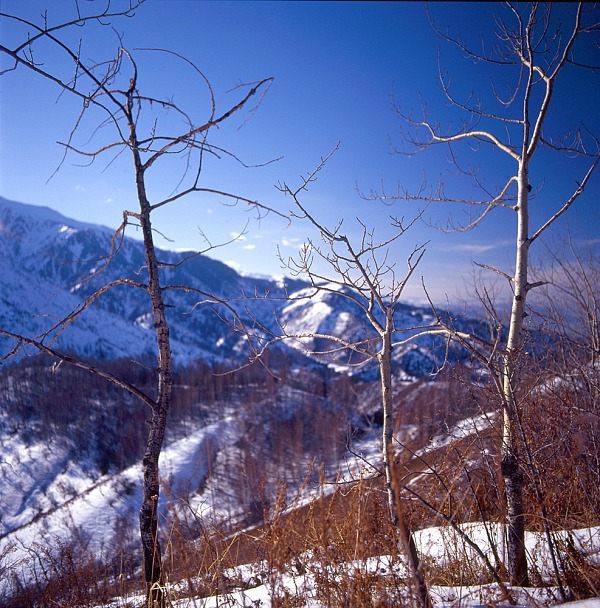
<point>151,551</point>
<point>148,518</point>
<point>513,488</point>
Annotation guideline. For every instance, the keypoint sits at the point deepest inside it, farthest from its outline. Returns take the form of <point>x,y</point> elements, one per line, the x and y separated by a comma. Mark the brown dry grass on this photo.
<point>348,522</point>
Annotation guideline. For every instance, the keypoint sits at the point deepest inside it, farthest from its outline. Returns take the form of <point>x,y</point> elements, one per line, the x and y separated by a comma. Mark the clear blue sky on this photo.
<point>335,65</point>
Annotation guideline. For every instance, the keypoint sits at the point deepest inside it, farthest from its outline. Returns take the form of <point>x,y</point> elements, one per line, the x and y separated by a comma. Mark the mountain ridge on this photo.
<point>53,265</point>
<point>66,260</point>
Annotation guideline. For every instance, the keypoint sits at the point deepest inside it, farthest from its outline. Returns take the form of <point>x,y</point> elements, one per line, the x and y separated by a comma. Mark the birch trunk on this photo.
<point>392,487</point>
<point>512,474</point>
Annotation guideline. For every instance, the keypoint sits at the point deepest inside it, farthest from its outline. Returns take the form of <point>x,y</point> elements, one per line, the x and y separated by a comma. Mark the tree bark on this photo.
<point>158,422</point>
<point>392,487</point>
<point>511,470</point>
<point>148,517</point>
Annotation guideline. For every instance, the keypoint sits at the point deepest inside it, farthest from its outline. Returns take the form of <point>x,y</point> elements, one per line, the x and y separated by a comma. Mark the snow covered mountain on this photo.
<point>71,448</point>
<point>52,264</point>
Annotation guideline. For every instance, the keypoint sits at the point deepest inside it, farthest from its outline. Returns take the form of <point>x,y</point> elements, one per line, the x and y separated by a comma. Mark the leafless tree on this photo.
<point>363,274</point>
<point>533,49</point>
<point>111,98</point>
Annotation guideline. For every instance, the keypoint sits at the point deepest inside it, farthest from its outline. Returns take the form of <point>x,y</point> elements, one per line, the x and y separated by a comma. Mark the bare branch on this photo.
<point>569,202</point>
<point>23,341</point>
<point>206,126</point>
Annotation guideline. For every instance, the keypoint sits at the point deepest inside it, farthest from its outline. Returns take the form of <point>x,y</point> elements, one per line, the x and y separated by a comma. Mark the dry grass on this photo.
<point>333,536</point>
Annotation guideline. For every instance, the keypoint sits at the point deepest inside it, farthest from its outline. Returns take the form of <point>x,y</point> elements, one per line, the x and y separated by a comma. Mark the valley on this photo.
<point>271,465</point>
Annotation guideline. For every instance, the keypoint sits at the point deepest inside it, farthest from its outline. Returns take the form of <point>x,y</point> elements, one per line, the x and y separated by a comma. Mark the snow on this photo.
<point>54,264</point>
<point>445,544</point>
<point>99,506</point>
<point>259,586</point>
<point>463,429</point>
<point>50,262</point>
<point>310,319</point>
<point>35,478</point>
<point>67,231</point>
<point>145,321</point>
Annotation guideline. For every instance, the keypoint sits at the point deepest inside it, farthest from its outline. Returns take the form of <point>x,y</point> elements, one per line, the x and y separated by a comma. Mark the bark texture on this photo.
<point>148,517</point>
<point>511,465</point>
<point>391,482</point>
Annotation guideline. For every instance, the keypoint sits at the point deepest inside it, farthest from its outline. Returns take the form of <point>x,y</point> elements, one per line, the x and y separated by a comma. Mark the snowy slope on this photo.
<point>52,264</point>
<point>53,496</point>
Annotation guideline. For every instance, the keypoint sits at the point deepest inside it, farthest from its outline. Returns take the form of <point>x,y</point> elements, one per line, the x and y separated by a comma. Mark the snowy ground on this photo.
<point>99,506</point>
<point>261,588</point>
<point>63,498</point>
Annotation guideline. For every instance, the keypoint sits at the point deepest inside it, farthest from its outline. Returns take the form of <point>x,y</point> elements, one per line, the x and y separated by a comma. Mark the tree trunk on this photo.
<point>158,422</point>
<point>148,517</point>
<point>385,372</point>
<point>511,464</point>
<point>392,487</point>
<point>513,489</point>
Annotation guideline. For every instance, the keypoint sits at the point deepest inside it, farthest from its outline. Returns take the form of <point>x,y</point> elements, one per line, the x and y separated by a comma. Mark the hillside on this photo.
<point>52,265</point>
<point>279,462</point>
<point>286,480</point>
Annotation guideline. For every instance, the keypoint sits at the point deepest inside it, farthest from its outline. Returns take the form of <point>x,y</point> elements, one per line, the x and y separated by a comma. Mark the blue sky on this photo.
<point>335,65</point>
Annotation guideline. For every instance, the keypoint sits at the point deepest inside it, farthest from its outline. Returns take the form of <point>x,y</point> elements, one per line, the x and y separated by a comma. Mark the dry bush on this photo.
<point>563,430</point>
<point>67,575</point>
<point>581,574</point>
<point>332,539</point>
<point>329,538</point>
<point>63,571</point>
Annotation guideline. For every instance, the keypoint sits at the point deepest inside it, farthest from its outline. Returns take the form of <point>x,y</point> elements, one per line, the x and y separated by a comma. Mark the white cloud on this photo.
<point>293,242</point>
<point>478,247</point>
<point>249,247</point>
<point>237,267</point>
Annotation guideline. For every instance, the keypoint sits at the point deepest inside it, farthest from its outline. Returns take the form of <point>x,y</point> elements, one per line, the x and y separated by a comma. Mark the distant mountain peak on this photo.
<point>52,264</point>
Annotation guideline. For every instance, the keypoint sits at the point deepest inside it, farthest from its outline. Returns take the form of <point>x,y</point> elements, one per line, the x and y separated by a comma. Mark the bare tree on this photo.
<point>110,98</point>
<point>533,49</point>
<point>363,273</point>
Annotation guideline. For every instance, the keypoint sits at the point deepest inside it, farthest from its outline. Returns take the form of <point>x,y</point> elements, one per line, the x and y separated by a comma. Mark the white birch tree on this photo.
<point>534,49</point>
